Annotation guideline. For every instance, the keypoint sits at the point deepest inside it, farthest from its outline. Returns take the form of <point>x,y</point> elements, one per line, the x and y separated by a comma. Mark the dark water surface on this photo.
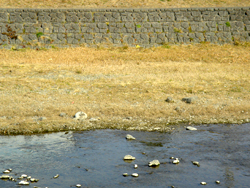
<point>95,158</point>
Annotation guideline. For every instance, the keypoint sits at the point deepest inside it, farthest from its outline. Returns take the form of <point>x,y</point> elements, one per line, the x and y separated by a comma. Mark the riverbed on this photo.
<point>95,158</point>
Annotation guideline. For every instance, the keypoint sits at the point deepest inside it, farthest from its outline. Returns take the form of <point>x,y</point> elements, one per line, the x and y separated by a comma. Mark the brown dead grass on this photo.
<point>116,83</point>
<point>120,3</point>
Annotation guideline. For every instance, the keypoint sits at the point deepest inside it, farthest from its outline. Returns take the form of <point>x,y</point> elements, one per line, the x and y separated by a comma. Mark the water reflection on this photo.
<point>95,158</point>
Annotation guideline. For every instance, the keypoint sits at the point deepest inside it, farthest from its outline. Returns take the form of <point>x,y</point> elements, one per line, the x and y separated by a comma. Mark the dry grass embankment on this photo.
<point>116,83</point>
<point>120,3</point>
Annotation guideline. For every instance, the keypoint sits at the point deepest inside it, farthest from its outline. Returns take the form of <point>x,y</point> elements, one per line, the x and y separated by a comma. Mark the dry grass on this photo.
<point>117,83</point>
<point>120,3</point>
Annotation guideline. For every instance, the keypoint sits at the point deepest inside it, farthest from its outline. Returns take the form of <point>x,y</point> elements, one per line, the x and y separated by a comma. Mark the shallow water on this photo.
<point>95,158</point>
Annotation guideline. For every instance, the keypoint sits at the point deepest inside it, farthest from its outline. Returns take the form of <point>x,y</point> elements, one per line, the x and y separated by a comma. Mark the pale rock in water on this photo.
<point>130,137</point>
<point>80,116</point>
<point>191,128</point>
<point>5,177</point>
<point>154,163</point>
<point>23,183</point>
<point>176,161</point>
<point>129,157</point>
<point>135,175</point>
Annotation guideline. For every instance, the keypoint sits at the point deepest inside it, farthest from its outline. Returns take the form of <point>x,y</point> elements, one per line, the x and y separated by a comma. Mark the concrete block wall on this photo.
<point>36,28</point>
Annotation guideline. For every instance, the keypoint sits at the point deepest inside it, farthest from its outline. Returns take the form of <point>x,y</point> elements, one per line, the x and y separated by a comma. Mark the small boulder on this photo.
<point>154,163</point>
<point>189,99</point>
<point>23,183</point>
<point>203,183</point>
<point>80,116</point>
<point>5,177</point>
<point>191,128</point>
<point>125,174</point>
<point>196,163</point>
<point>176,161</point>
<point>169,100</point>
<point>129,157</point>
<point>130,137</point>
<point>135,175</point>
<point>62,114</point>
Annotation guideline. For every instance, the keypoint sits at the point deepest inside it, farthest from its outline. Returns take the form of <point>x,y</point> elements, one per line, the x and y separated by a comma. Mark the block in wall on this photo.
<point>44,17</point>
<point>85,17</point>
<point>57,17</point>
<point>15,17</point>
<point>4,17</point>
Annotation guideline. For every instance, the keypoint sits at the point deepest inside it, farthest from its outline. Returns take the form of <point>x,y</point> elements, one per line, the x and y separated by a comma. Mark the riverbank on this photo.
<point>123,88</point>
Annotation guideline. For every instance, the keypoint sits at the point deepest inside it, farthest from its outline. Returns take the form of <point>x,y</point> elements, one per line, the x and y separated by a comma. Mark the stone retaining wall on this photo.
<point>37,28</point>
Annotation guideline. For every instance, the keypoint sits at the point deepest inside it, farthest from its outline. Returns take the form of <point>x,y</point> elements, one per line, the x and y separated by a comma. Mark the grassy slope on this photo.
<point>116,83</point>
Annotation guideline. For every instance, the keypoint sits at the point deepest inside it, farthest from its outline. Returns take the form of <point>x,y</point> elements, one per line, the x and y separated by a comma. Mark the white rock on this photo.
<point>130,137</point>
<point>125,174</point>
<point>23,183</point>
<point>24,175</point>
<point>80,116</point>
<point>34,180</point>
<point>135,166</point>
<point>5,177</point>
<point>135,175</point>
<point>129,157</point>
<point>6,171</point>
<point>154,163</point>
<point>56,176</point>
<point>176,161</point>
<point>218,182</point>
<point>196,163</point>
<point>203,183</point>
<point>78,185</point>
<point>191,128</point>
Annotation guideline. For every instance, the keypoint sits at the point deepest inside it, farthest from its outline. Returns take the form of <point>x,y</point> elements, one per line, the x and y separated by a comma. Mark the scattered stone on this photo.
<point>217,182</point>
<point>56,176</point>
<point>80,116</point>
<point>171,158</point>
<point>196,163</point>
<point>42,118</point>
<point>135,166</point>
<point>176,161</point>
<point>135,175</point>
<point>129,157</point>
<point>154,163</point>
<point>191,128</point>
<point>34,180</point>
<point>28,178</point>
<point>23,183</point>
<point>78,185</point>
<point>203,183</point>
<point>5,177</point>
<point>169,99</point>
<point>130,137</point>
<point>125,174</point>
<point>189,99</point>
<point>24,175</point>
<point>6,171</point>
<point>62,114</point>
